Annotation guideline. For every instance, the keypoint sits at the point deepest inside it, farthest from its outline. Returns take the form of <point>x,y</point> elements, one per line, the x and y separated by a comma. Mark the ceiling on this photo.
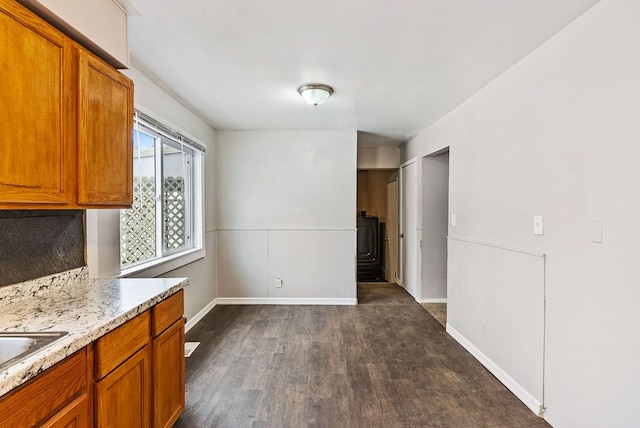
<point>396,66</point>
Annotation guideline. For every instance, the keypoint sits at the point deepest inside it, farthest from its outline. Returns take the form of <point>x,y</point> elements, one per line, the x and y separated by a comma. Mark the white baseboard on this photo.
<point>197,317</point>
<point>283,301</point>
<point>529,400</point>
<point>434,300</point>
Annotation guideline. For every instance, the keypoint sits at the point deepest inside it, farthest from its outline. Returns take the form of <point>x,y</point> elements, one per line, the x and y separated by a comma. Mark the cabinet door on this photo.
<point>123,397</point>
<point>37,111</point>
<point>168,375</point>
<point>105,134</point>
<point>75,415</point>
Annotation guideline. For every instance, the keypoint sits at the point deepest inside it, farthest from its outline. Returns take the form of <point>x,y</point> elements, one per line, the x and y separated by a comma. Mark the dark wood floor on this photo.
<point>383,363</point>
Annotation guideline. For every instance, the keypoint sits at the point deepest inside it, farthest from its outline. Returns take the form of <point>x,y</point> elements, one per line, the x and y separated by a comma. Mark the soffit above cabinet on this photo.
<point>98,25</point>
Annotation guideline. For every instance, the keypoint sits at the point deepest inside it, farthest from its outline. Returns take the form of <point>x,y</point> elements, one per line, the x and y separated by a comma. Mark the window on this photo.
<point>166,216</point>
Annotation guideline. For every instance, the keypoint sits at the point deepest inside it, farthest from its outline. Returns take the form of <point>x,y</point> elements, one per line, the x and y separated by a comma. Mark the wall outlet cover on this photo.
<point>596,232</point>
<point>538,225</point>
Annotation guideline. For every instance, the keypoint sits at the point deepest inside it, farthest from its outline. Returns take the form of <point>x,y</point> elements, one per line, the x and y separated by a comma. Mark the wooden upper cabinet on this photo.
<point>105,125</point>
<point>37,111</point>
<point>66,120</point>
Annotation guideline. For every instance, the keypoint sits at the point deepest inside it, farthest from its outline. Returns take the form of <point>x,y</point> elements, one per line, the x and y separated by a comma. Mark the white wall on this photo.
<point>370,157</point>
<point>103,226</point>
<point>435,206</point>
<point>495,309</point>
<point>558,135</point>
<point>286,209</point>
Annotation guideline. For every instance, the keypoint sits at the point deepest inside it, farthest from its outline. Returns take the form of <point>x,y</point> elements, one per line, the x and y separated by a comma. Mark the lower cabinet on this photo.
<point>168,375</point>
<point>132,377</point>
<point>140,369</point>
<point>123,396</point>
<point>55,398</point>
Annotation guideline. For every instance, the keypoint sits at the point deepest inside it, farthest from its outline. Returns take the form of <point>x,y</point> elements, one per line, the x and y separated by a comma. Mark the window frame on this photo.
<point>172,259</point>
<point>189,189</point>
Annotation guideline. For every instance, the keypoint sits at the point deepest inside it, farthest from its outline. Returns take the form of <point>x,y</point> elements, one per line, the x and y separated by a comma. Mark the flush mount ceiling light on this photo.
<point>315,93</point>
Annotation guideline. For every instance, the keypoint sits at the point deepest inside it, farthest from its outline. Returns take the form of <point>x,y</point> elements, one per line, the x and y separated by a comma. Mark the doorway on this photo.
<point>377,220</point>
<point>435,229</point>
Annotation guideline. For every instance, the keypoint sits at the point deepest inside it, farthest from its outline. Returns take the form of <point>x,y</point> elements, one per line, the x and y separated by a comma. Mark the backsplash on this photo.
<point>39,243</point>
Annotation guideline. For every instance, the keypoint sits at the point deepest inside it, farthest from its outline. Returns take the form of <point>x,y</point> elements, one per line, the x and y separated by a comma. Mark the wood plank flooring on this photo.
<point>384,363</point>
<point>438,311</point>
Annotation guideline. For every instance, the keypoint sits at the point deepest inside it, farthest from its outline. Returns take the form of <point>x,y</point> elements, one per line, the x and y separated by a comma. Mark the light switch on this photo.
<point>538,225</point>
<point>596,232</point>
<point>453,220</point>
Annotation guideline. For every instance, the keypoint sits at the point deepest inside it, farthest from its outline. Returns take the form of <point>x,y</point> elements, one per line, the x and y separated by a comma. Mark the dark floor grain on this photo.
<point>438,311</point>
<point>383,363</point>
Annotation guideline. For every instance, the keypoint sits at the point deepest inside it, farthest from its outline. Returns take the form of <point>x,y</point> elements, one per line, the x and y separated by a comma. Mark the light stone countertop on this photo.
<point>70,301</point>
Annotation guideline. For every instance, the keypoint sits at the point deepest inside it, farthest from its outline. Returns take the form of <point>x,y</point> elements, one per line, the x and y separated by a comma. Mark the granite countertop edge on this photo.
<point>99,306</point>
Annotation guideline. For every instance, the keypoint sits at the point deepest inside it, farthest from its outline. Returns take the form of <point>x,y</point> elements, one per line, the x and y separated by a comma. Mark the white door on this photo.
<point>408,228</point>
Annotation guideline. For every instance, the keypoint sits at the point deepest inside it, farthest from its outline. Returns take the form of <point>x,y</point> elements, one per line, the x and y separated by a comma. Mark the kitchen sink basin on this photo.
<point>16,346</point>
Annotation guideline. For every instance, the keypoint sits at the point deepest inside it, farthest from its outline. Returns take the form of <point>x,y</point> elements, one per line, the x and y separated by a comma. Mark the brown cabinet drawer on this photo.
<point>167,312</point>
<point>115,347</point>
<point>42,397</point>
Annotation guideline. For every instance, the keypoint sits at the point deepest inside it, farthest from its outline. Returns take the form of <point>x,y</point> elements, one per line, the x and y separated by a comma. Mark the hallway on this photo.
<point>383,363</point>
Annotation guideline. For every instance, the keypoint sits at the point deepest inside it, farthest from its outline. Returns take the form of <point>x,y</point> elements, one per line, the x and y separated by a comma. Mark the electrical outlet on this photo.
<point>278,282</point>
<point>483,330</point>
<point>453,220</point>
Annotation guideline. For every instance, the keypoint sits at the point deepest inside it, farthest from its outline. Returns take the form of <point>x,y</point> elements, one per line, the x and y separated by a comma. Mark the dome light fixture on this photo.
<point>315,93</point>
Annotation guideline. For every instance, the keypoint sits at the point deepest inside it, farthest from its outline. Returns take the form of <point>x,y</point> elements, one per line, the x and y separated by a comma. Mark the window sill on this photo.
<point>161,266</point>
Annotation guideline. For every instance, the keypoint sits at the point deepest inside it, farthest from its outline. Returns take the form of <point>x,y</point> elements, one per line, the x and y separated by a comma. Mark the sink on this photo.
<point>16,346</point>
